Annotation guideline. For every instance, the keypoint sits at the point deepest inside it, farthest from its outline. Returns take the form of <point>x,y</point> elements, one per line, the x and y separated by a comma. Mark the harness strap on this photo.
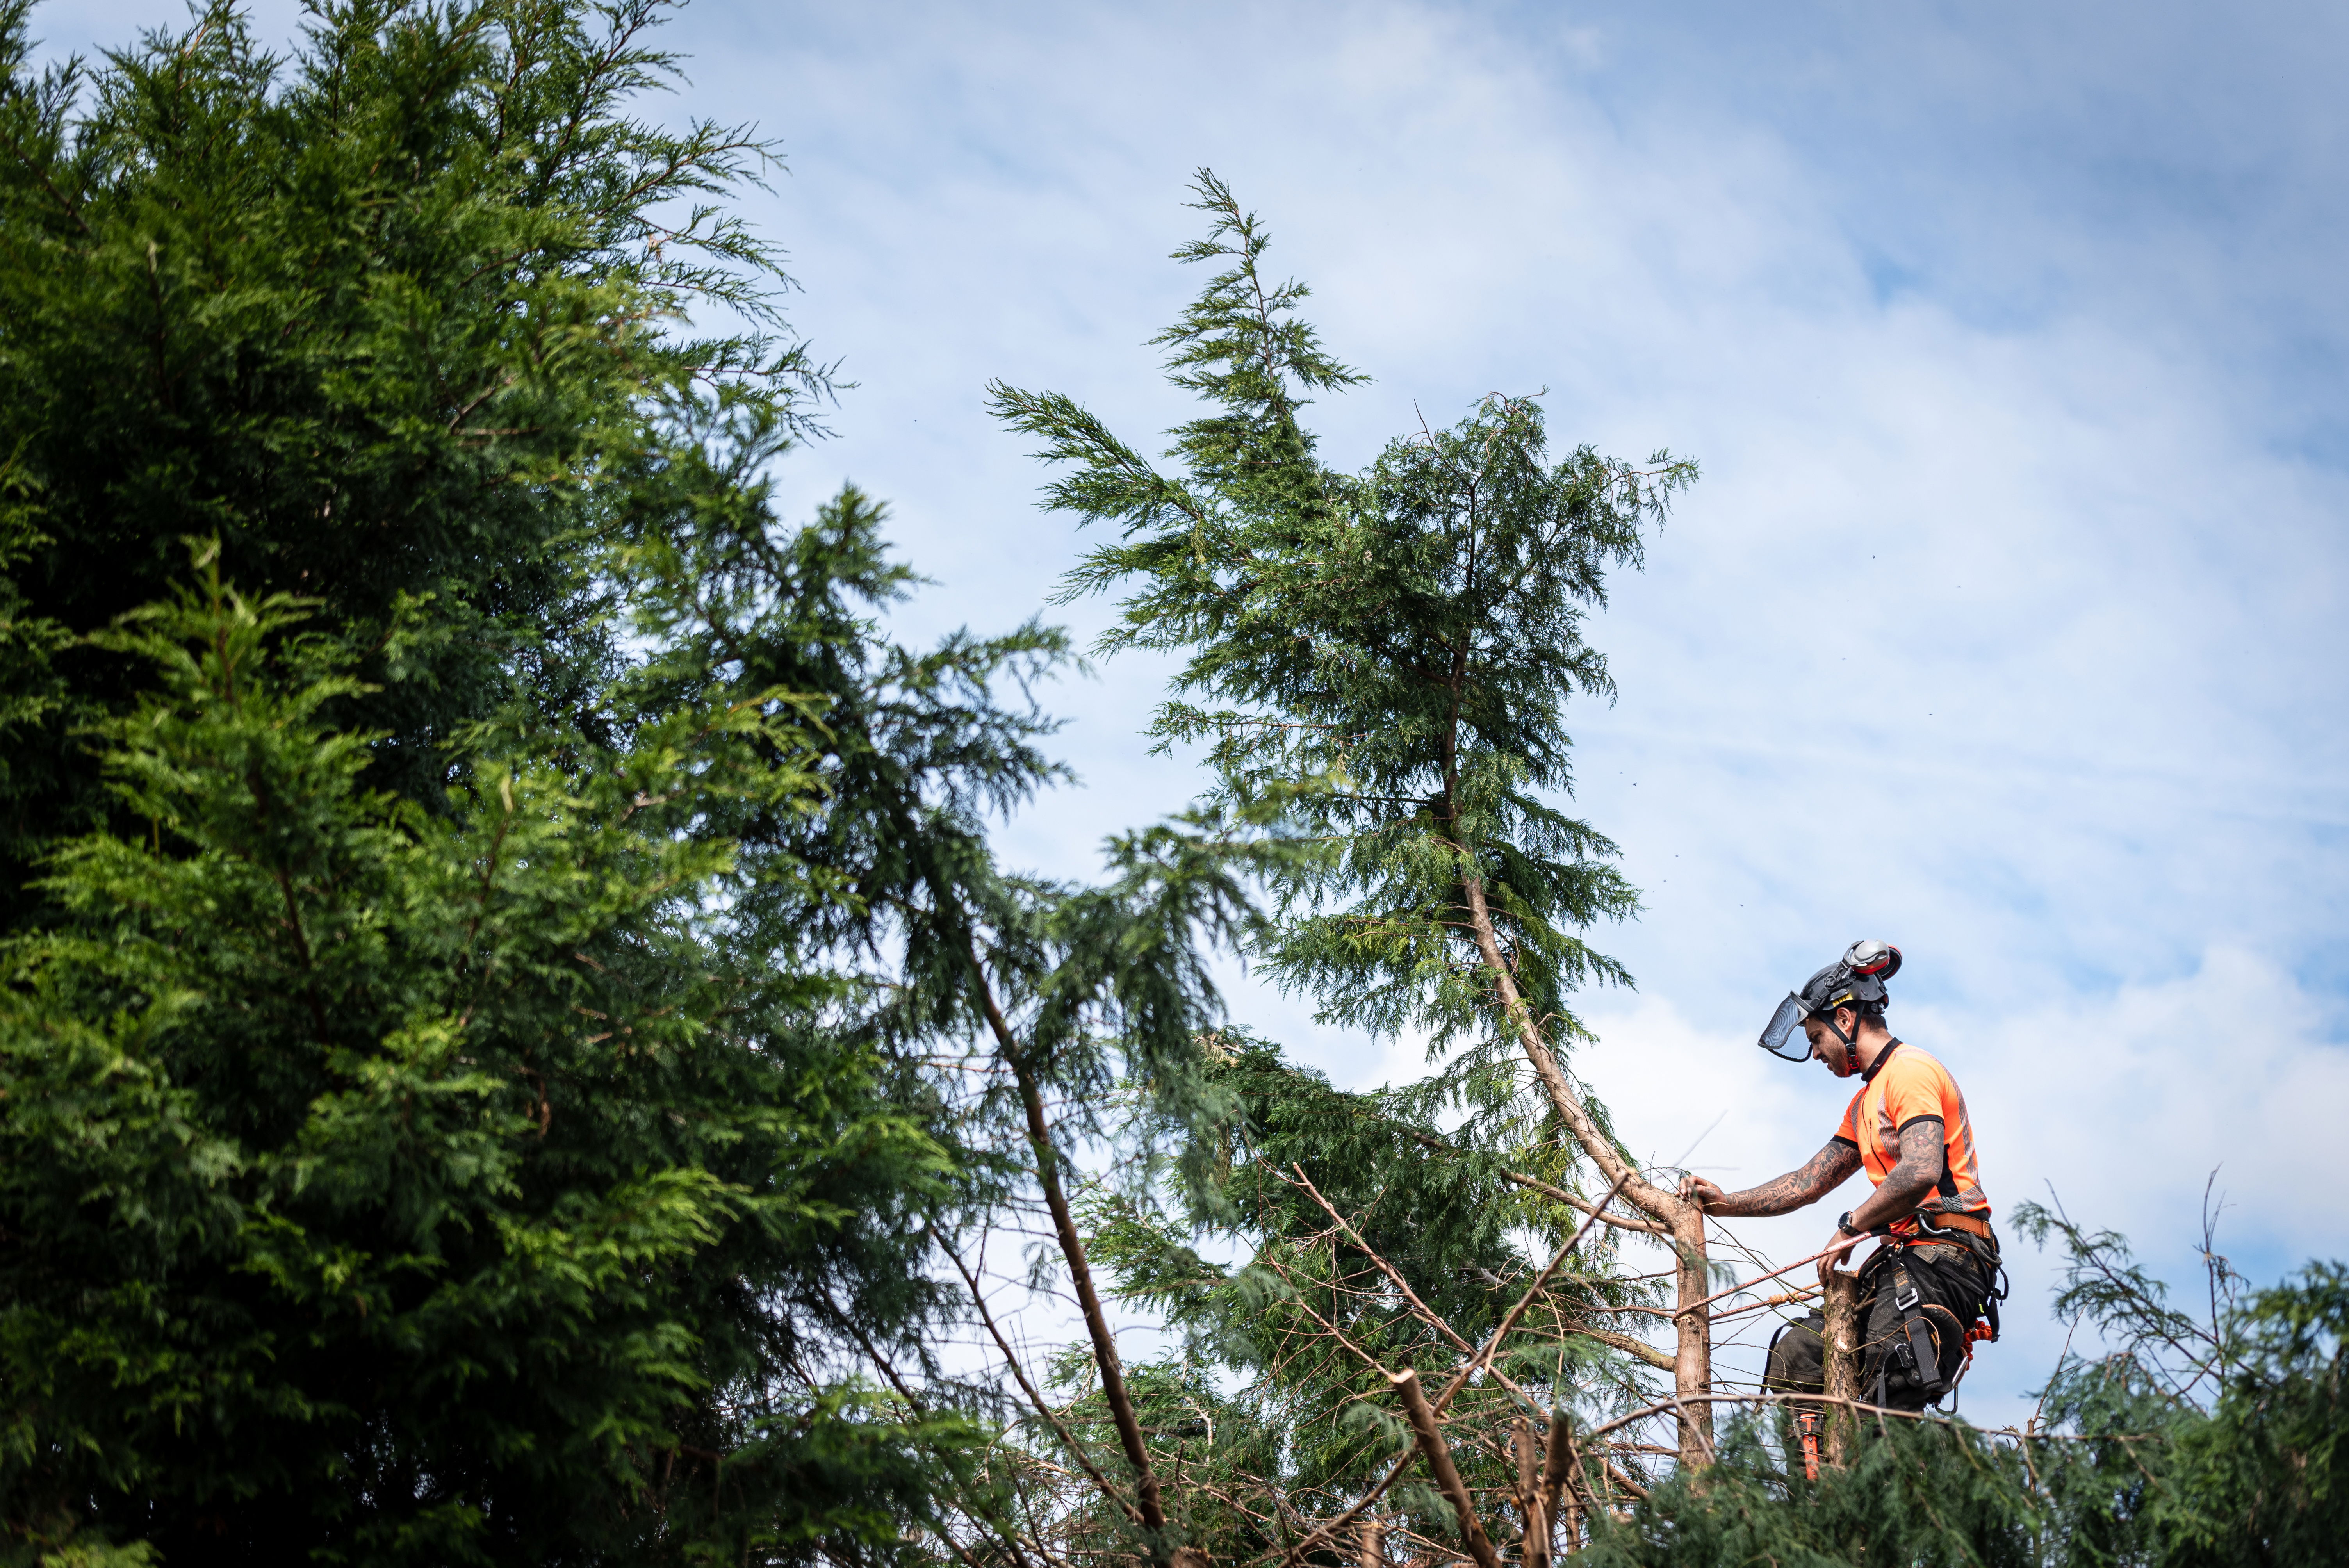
<point>1925,1361</point>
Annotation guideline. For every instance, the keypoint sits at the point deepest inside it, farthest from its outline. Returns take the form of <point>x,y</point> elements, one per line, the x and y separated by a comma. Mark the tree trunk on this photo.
<point>1072,1252</point>
<point>1842,1310</point>
<point>1693,1350</point>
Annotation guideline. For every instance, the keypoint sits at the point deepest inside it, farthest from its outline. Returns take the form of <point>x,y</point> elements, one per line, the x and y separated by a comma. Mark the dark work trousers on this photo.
<point>1952,1291</point>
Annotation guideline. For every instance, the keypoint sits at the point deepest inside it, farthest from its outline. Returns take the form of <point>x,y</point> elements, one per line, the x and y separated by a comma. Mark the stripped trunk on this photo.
<point>1692,1344</point>
<point>1684,1223</point>
<point>1842,1312</point>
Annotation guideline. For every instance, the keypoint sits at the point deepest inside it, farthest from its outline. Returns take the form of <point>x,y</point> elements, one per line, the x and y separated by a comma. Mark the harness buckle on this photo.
<point>1903,1303</point>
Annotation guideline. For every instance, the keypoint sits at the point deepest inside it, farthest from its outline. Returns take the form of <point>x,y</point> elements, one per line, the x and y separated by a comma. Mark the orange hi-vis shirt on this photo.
<point>1902,1085</point>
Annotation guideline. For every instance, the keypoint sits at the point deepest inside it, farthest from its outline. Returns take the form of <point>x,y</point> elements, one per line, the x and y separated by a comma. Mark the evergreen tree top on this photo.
<point>1389,654</point>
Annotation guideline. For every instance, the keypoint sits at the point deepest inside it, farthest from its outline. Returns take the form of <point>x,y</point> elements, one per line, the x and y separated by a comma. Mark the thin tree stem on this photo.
<point>1080,1275</point>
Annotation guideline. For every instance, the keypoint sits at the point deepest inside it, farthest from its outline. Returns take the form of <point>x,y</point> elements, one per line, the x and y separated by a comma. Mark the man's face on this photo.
<point>1825,1046</point>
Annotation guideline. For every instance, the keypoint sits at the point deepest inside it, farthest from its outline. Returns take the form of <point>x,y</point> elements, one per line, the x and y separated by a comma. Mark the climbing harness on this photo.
<point>1912,1342</point>
<point>1914,1347</point>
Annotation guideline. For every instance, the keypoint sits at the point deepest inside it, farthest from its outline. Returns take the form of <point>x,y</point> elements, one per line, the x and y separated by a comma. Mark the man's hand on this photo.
<point>1698,1191</point>
<point>1837,1246</point>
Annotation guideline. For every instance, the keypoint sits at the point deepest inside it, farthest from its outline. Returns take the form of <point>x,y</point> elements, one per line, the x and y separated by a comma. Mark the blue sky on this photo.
<point>2005,624</point>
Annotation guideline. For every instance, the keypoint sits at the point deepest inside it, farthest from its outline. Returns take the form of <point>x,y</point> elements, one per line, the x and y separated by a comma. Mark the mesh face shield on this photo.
<point>1784,1037</point>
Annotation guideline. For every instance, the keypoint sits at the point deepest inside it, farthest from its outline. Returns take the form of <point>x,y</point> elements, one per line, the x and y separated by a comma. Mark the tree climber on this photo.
<point>1933,1287</point>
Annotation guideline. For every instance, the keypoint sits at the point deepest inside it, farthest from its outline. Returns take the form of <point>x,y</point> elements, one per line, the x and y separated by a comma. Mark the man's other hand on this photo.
<point>1699,1191</point>
<point>1836,1247</point>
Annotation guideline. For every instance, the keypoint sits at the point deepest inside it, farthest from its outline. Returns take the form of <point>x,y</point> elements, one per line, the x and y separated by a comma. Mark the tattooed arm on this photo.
<point>1922,1158</point>
<point>1828,1170</point>
<point>1909,1182</point>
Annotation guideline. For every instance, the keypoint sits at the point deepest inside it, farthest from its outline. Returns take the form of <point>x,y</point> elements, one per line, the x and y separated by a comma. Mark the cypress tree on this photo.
<point>383,316</point>
<point>1387,657</point>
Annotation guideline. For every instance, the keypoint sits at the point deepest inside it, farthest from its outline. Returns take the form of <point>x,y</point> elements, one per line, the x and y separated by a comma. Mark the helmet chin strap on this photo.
<point>1850,1042</point>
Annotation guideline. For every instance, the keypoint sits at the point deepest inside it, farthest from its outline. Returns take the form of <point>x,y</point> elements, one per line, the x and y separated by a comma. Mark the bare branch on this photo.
<point>1432,1447</point>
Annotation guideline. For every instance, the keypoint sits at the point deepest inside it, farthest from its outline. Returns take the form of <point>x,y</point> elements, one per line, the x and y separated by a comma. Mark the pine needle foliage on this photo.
<point>1387,653</point>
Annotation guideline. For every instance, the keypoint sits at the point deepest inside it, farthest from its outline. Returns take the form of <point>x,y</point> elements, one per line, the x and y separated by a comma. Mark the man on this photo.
<point>1937,1271</point>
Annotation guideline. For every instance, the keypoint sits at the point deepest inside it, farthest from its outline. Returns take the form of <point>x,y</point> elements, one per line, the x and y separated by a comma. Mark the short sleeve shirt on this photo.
<point>1903,1085</point>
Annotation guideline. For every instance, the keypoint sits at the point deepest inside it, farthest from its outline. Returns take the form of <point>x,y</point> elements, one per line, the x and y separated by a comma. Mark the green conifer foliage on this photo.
<point>511,1002</point>
<point>423,1185</point>
<point>1407,635</point>
<point>453,1106</point>
<point>382,316</point>
<point>1387,657</point>
<point>1287,1354</point>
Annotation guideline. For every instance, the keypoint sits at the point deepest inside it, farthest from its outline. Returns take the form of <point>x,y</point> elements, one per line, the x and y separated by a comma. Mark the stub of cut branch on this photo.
<point>1534,1551</point>
<point>1431,1447</point>
<point>1558,1464</point>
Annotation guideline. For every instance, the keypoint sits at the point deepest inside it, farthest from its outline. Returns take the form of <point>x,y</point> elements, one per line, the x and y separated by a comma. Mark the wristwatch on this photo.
<point>1843,1224</point>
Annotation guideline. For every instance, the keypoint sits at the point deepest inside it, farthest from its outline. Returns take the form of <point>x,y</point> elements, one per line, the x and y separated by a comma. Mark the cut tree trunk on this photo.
<point>1692,1349</point>
<point>1532,1502</point>
<point>1842,1311</point>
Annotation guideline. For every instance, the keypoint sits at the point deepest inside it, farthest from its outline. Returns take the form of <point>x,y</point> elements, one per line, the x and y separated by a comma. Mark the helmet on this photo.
<point>1856,979</point>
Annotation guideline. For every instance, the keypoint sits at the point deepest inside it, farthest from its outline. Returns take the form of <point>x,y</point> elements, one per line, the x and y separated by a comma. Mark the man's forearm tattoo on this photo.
<point>1824,1172</point>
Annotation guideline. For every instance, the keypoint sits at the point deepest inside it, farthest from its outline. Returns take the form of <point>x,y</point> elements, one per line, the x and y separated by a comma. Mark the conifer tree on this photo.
<point>442,1118</point>
<point>509,1001</point>
<point>1388,655</point>
<point>383,316</point>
